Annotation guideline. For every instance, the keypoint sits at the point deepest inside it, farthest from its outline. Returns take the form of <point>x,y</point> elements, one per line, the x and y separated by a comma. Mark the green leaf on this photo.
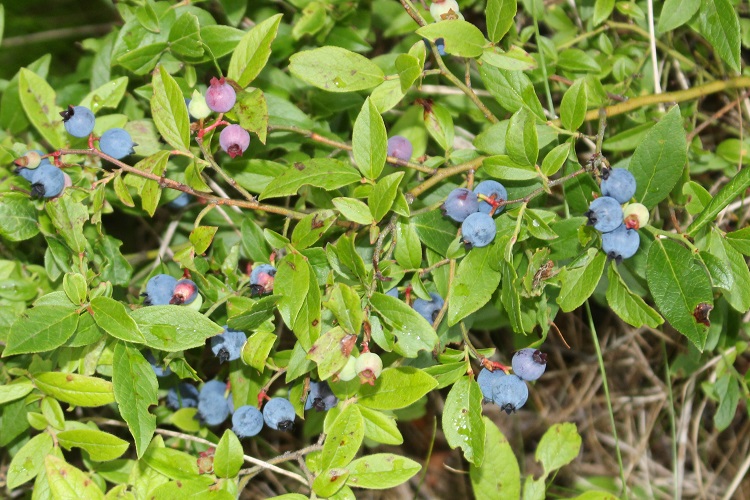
<point>470,290</point>
<point>679,284</point>
<point>74,285</point>
<point>675,13</point>
<point>369,141</point>
<point>344,303</point>
<point>185,37</point>
<point>504,168</point>
<point>737,295</point>
<point>353,210</point>
<point>335,69</point>
<point>409,69</point>
<point>602,10</point>
<point>252,111</point>
<point>260,312</point>
<point>380,427</point>
<point>380,471</point>
<point>343,438</point>
<point>220,40</point>
<point>328,483</point>
<point>462,423</point>
<point>101,446</point>
<point>382,196</point>
<point>439,124</point>
<point>329,352</point>
<point>112,317</point>
<point>143,59</point>
<point>515,59</point>
<point>66,481</point>
<point>627,305</point>
<point>727,193</point>
<point>26,463</point>
<point>174,464</point>
<point>461,38</point>
<point>573,106</point>
<point>728,390</point>
<point>169,111</point>
<point>38,101</point>
<point>396,388</point>
<point>559,446</point>
<point>499,474</point>
<point>135,389</point>
<point>659,159</point>
<point>299,305</point>
<point>11,392</point>
<point>201,238</point>
<point>253,51</point>
<point>521,140</point>
<point>174,328</point>
<point>108,95</point>
<point>512,89</point>
<point>202,487</point>
<point>413,333</point>
<point>555,159</point>
<point>499,16</point>
<point>577,61</point>
<point>740,240</point>
<point>325,173</point>
<point>408,251</point>
<point>17,217</point>
<point>42,328</point>
<point>75,389</point>
<point>228,457</point>
<point>311,228</point>
<point>257,349</point>
<point>68,217</point>
<point>718,22</point>
<point>578,283</point>
<point>434,231</point>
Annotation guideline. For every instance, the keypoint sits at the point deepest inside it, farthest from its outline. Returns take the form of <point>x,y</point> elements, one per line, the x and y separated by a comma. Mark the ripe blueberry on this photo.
<point>228,346</point>
<point>220,96</point>
<point>159,290</point>
<point>478,229</point>
<point>261,279</point>
<point>182,396</point>
<point>116,142</point>
<point>185,291</point>
<point>618,183</point>
<point>622,243</point>
<point>320,397</point>
<point>459,204</point>
<point>213,408</point>
<point>487,380</point>
<point>429,309</point>
<point>605,214</point>
<point>47,181</point>
<point>78,121</point>
<point>368,367</point>
<point>234,140</point>
<point>510,393</point>
<point>493,190</point>
<point>279,414</point>
<point>440,45</point>
<point>400,147</point>
<point>247,421</point>
<point>159,369</point>
<point>393,292</point>
<point>529,364</point>
<point>180,202</point>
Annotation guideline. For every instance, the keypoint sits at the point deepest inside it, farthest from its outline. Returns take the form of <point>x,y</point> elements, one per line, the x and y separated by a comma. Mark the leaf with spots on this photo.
<point>335,69</point>
<point>343,439</point>
<point>174,328</point>
<point>66,481</point>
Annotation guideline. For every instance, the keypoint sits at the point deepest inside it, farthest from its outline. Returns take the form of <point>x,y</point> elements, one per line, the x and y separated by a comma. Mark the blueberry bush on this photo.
<point>289,249</point>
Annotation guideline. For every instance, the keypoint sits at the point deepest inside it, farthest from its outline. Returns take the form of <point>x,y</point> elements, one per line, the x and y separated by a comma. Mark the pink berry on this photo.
<point>234,140</point>
<point>400,147</point>
<point>220,96</point>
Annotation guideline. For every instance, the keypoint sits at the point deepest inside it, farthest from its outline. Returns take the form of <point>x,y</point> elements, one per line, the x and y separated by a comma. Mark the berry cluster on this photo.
<point>368,366</point>
<point>228,346</point>
<point>474,209</point>
<point>79,122</point>
<point>220,97</point>
<point>163,289</point>
<point>509,391</point>
<point>620,239</point>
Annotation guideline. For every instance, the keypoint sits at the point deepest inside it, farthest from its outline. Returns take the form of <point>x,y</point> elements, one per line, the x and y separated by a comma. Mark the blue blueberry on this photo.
<point>180,202</point>
<point>478,230</point>
<point>618,183</point>
<point>184,292</point>
<point>320,397</point>
<point>159,290</point>
<point>247,421</point>
<point>78,121</point>
<point>227,346</point>
<point>25,172</point>
<point>279,414</point>
<point>47,181</point>
<point>459,204</point>
<point>440,44</point>
<point>261,279</point>
<point>605,214</point>
<point>429,309</point>
<point>487,380</point>
<point>212,405</point>
<point>116,142</point>
<point>493,190</point>
<point>393,292</point>
<point>159,369</point>
<point>622,243</point>
<point>529,364</point>
<point>182,396</point>
<point>510,393</point>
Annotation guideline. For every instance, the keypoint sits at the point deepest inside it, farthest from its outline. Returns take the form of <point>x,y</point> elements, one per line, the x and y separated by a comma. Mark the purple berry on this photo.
<point>185,292</point>
<point>234,140</point>
<point>116,142</point>
<point>622,243</point>
<point>261,279</point>
<point>279,414</point>
<point>605,214</point>
<point>220,96</point>
<point>493,190</point>
<point>159,290</point>
<point>228,346</point>
<point>400,147</point>
<point>459,204</point>
<point>529,364</point>
<point>247,421</point>
<point>618,183</point>
<point>78,121</point>
<point>478,229</point>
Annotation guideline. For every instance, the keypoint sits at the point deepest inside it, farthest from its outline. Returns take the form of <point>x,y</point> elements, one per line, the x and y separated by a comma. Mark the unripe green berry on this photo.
<point>198,108</point>
<point>635,216</point>
<point>30,160</point>
<point>369,366</point>
<point>349,371</point>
